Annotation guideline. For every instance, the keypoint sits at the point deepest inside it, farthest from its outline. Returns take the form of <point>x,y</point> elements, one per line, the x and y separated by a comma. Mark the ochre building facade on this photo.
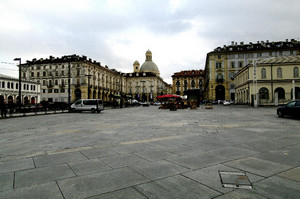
<point>224,62</point>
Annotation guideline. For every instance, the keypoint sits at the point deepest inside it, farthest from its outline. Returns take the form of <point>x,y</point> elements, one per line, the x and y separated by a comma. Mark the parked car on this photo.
<point>226,103</point>
<point>145,104</point>
<point>157,103</point>
<point>292,109</point>
<point>92,105</point>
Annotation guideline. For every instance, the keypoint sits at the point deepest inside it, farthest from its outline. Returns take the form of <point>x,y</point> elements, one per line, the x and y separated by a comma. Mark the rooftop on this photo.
<point>281,59</point>
<point>260,45</point>
<point>189,73</point>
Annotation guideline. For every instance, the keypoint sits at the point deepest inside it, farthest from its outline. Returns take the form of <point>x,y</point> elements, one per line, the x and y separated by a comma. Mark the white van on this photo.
<point>92,105</point>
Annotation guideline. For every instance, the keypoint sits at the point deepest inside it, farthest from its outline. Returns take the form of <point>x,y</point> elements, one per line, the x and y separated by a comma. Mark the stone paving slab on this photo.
<point>197,161</point>
<point>258,166</point>
<point>128,193</point>
<point>234,152</point>
<point>293,174</point>
<point>287,156</point>
<point>210,177</point>
<point>239,194</point>
<point>176,187</point>
<point>95,184</point>
<point>99,153</point>
<point>123,160</point>
<point>277,187</point>
<point>130,148</point>
<point>31,177</point>
<point>89,166</point>
<point>16,165</point>
<point>6,181</point>
<point>49,190</point>
<point>61,158</point>
<point>156,154</point>
<point>159,169</point>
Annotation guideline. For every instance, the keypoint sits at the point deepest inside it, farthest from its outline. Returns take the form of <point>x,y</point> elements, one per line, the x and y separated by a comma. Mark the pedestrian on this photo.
<point>3,107</point>
<point>10,107</point>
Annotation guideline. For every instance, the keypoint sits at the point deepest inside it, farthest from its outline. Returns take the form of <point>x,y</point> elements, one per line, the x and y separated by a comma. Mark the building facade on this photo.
<point>270,80</point>
<point>224,62</point>
<point>9,90</point>
<point>82,78</point>
<point>145,83</point>
<point>87,79</point>
<point>191,81</point>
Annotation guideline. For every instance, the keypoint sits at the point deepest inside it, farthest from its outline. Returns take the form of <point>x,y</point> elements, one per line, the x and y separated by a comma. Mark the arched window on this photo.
<point>281,93</point>
<point>263,73</point>
<point>8,85</point>
<point>279,73</point>
<point>296,72</point>
<point>263,93</point>
<point>193,84</point>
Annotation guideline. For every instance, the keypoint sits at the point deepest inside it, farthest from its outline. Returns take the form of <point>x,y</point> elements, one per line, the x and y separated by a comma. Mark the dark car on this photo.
<point>292,109</point>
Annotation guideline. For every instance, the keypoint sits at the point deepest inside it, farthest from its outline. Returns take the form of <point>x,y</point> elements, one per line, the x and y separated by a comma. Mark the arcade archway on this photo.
<point>77,94</point>
<point>220,92</point>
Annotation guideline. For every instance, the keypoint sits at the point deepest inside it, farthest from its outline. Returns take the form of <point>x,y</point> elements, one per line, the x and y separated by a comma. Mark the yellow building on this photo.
<point>271,80</point>
<point>224,62</point>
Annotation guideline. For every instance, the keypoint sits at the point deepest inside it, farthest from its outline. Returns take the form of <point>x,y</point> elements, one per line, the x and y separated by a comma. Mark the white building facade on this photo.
<point>9,90</point>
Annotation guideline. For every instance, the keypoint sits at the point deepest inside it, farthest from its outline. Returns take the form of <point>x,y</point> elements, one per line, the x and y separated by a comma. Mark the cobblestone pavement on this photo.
<point>146,152</point>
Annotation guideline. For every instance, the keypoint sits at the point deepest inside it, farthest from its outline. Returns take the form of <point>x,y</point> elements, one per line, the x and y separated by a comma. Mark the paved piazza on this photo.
<point>145,152</point>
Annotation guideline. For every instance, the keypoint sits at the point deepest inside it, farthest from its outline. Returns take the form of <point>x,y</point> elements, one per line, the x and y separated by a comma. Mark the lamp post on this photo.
<point>20,97</point>
<point>88,76</point>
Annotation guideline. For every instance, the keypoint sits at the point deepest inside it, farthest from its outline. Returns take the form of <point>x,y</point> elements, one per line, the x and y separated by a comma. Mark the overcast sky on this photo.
<point>117,32</point>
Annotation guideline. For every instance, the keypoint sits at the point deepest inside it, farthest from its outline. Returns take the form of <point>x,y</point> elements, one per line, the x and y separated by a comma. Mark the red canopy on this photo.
<point>168,96</point>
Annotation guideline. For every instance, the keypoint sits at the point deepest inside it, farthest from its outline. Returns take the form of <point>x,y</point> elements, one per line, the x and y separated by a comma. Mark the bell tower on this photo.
<point>136,67</point>
<point>148,55</point>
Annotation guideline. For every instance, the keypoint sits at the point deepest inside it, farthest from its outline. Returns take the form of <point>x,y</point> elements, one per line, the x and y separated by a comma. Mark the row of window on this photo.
<point>259,54</point>
<point>240,64</point>
<point>50,83</point>
<point>11,85</point>
<point>45,74</point>
<point>193,83</point>
<point>55,90</point>
<point>264,93</point>
<point>45,67</point>
<point>279,73</point>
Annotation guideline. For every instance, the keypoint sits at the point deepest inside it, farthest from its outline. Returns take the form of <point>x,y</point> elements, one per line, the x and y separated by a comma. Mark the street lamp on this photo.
<point>20,98</point>
<point>89,76</point>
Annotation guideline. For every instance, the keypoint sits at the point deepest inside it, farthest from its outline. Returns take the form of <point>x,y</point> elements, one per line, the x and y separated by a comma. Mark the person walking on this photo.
<point>3,107</point>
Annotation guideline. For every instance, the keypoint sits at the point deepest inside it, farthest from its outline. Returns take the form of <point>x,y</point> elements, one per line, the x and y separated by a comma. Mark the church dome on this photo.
<point>149,65</point>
